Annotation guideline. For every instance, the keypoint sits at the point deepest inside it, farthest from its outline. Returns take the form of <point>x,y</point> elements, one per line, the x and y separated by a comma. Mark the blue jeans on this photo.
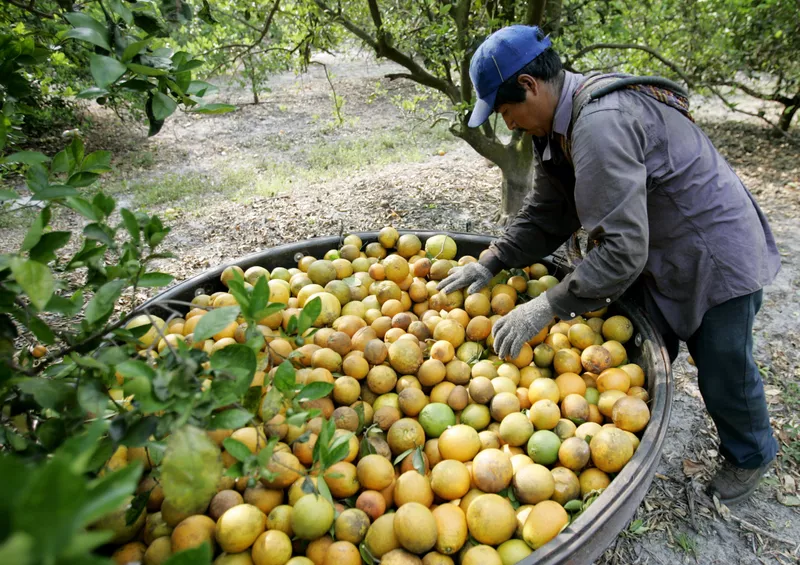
<point>722,349</point>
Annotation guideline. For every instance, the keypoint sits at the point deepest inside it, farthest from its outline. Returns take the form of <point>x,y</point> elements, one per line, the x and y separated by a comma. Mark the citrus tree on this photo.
<point>112,52</point>
<point>745,47</point>
<point>100,407</point>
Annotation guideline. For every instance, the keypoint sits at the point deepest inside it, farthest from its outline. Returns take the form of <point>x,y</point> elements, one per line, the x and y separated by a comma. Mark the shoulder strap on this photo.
<point>598,85</point>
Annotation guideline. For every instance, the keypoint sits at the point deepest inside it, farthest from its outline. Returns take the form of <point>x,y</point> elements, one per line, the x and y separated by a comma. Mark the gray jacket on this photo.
<point>664,205</point>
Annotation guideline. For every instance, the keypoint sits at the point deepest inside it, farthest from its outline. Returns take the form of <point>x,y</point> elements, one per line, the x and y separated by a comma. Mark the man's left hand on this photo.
<point>521,325</point>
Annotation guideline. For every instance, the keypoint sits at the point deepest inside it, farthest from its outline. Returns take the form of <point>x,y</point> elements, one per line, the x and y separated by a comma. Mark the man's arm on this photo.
<point>611,199</point>
<point>543,223</point>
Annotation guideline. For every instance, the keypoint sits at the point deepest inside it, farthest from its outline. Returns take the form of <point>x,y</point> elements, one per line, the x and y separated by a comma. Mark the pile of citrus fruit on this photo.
<point>471,459</point>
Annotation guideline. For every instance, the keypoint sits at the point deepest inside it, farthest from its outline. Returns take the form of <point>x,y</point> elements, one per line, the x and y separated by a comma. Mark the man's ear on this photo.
<point>529,83</point>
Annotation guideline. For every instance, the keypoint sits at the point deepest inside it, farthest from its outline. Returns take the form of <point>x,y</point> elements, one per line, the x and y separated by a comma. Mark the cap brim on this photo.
<point>483,109</point>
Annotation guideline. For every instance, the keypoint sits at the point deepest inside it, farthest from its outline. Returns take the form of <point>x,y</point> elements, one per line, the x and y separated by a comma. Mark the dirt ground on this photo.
<point>459,191</point>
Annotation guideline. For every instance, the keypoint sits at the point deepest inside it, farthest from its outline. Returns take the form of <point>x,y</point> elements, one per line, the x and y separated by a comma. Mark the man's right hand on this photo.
<point>472,275</point>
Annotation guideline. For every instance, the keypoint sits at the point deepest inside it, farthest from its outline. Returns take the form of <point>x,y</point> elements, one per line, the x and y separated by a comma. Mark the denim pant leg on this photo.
<point>730,383</point>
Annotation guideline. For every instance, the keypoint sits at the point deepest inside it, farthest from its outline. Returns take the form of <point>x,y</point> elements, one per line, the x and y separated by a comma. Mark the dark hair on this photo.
<point>546,67</point>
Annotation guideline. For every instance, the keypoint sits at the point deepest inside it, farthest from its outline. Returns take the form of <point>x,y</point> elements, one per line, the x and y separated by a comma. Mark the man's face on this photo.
<point>534,115</point>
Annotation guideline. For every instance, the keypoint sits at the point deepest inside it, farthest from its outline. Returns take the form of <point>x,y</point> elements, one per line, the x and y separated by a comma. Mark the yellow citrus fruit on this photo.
<point>273,547</point>
<point>238,527</point>
<point>451,528</point>
<point>533,483</point>
<point>459,442</point>
<point>630,414</point>
<point>491,519</point>
<point>611,449</point>
<point>545,521</point>
<point>492,470</point>
<point>415,527</point>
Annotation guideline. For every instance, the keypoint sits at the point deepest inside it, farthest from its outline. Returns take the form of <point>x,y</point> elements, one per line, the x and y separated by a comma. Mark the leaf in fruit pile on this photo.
<point>191,469</point>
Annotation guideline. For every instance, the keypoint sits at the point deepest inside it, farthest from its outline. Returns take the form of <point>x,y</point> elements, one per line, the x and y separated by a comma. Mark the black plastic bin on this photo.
<point>592,532</point>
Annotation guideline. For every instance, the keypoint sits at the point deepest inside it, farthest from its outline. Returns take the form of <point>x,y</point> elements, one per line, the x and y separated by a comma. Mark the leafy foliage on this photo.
<point>104,380</point>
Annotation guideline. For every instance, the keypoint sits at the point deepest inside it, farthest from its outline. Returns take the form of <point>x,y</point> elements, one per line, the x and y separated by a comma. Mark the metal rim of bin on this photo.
<point>594,530</point>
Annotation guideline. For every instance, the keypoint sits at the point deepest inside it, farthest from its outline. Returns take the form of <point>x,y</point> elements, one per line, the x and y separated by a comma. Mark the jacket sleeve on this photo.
<point>608,149</point>
<point>543,223</point>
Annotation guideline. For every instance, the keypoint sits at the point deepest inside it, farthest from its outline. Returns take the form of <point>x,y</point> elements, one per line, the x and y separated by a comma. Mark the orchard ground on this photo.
<point>284,171</point>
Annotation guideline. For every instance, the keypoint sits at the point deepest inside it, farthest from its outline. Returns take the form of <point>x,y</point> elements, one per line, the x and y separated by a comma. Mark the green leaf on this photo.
<point>84,208</point>
<point>163,106</point>
<point>144,70</point>
<point>215,108</point>
<point>236,448</point>
<point>314,391</point>
<point>89,35</point>
<point>418,461</point>
<point>309,313</point>
<point>339,449</point>
<point>265,454</point>
<point>27,157</point>
<point>54,191</point>
<point>49,242</point>
<point>285,379</point>
<point>155,279</point>
<point>97,162</point>
<point>297,419</point>
<point>214,322</point>
<point>102,304</point>
<point>58,493</point>
<point>237,360</point>
<point>105,70</point>
<point>68,307</point>
<point>271,404</point>
<point>232,419</point>
<point>18,549</point>
<point>61,162</point>
<point>109,492</point>
<point>134,49</point>
<point>82,179</point>
<point>35,279</point>
<point>100,233</point>
<point>37,177</point>
<point>131,224</point>
<point>191,469</point>
<point>119,7</point>
<point>34,233</point>
<point>324,491</point>
<point>135,368</point>
<point>91,93</point>
<point>403,455</point>
<point>236,470</point>
<point>100,201</point>
<point>200,555</point>
<point>8,195</point>
<point>41,330</point>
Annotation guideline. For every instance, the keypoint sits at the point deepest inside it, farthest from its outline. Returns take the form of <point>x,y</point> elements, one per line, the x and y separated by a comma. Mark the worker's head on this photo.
<point>514,73</point>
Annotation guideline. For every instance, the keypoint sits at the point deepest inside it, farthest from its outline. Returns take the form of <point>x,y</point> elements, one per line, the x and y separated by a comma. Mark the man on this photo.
<point>666,212</point>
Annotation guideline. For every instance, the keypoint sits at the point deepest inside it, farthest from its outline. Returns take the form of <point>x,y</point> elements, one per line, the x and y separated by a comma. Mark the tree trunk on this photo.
<point>552,24</point>
<point>517,177</point>
<point>787,116</point>
<point>515,160</point>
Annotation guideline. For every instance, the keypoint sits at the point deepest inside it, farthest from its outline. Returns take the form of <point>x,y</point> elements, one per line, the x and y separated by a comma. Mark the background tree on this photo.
<point>743,43</point>
<point>111,52</point>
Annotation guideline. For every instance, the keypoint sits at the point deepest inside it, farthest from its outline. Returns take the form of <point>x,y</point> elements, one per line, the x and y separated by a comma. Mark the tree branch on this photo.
<point>461,19</point>
<point>383,48</point>
<point>249,46</point>
<point>674,67</point>
<point>785,100</point>
<point>732,106</point>
<point>31,9</point>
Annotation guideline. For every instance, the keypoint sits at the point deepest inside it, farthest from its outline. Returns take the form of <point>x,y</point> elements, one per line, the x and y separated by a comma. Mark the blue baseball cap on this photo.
<point>498,58</point>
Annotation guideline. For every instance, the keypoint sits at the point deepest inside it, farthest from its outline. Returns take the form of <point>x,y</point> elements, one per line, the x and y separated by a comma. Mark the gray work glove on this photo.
<point>473,275</point>
<point>521,325</point>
